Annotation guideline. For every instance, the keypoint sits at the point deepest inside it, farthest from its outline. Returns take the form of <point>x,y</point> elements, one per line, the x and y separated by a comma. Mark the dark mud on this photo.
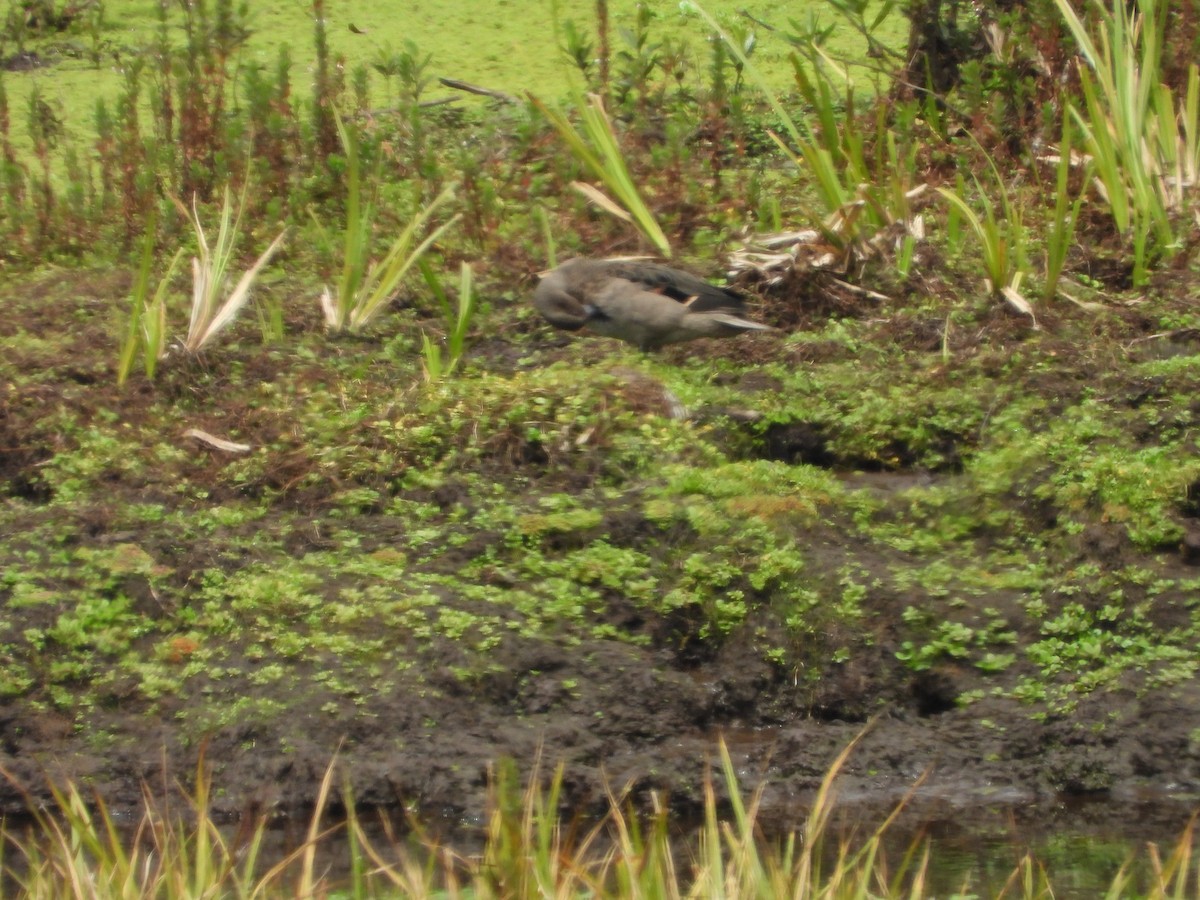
<point>638,722</point>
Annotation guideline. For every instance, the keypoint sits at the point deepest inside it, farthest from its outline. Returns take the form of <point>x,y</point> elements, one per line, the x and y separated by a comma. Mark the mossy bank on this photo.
<point>978,540</point>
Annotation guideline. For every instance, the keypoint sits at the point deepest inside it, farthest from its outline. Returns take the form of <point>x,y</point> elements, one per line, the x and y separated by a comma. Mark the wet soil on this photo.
<point>645,715</point>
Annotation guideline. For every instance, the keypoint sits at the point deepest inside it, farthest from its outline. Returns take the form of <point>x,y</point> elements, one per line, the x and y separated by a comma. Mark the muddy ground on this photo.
<point>641,705</point>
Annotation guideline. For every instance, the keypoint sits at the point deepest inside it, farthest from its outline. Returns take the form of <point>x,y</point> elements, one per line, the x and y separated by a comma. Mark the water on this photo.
<point>1080,843</point>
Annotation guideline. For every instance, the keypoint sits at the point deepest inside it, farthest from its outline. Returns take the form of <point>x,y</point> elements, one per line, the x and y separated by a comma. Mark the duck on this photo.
<point>643,303</point>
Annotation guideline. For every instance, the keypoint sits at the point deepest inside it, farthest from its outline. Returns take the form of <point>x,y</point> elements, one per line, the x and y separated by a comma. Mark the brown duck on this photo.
<point>646,304</point>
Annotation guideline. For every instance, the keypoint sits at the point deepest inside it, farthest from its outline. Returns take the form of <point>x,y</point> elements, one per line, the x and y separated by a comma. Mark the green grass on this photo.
<point>505,45</point>
<point>528,850</point>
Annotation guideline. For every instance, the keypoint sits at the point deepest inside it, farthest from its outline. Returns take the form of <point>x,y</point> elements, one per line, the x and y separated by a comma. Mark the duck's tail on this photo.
<point>737,323</point>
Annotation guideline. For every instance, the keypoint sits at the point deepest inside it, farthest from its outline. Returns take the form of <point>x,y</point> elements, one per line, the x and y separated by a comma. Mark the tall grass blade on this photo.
<point>137,306</point>
<point>456,342</point>
<point>597,149</point>
<point>993,253</point>
<point>1190,122</point>
<point>305,887</point>
<point>750,865</point>
<point>203,868</point>
<point>431,357</point>
<point>154,320</point>
<point>383,279</point>
<point>710,880</point>
<point>239,295</point>
<point>355,237</point>
<point>600,199</point>
<point>1065,216</point>
<point>548,238</point>
<point>147,325</point>
<point>808,867</point>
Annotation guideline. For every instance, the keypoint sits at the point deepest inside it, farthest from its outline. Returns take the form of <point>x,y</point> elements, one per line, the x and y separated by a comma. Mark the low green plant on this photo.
<point>210,313</point>
<point>751,71</point>
<point>951,640</point>
<point>458,322</point>
<point>408,66</point>
<point>364,287</point>
<point>579,49</point>
<point>146,328</point>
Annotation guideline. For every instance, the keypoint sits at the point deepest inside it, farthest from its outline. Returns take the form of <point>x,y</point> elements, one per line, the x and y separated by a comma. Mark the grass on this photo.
<point>514,54</point>
<point>528,850</point>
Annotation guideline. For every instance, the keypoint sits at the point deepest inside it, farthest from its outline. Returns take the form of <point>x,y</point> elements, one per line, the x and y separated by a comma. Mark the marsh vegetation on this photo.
<point>291,468</point>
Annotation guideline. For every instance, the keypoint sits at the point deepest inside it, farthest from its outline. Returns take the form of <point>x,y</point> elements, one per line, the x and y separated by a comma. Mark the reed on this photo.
<point>75,849</point>
<point>1142,139</point>
<point>364,286</point>
<point>596,147</point>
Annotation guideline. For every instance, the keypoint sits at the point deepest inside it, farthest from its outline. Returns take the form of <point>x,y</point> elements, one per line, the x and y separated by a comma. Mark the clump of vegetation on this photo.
<point>210,313</point>
<point>365,286</point>
<point>528,850</point>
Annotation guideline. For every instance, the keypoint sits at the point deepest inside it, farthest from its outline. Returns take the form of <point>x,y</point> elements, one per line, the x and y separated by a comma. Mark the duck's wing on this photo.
<point>649,320</point>
<point>628,310</point>
<point>676,284</point>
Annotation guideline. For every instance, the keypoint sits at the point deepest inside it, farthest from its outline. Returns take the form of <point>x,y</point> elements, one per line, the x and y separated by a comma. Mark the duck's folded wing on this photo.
<point>631,302</point>
<point>676,284</point>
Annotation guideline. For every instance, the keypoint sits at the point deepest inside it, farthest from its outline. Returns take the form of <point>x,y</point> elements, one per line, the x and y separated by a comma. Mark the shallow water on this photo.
<point>1079,842</point>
